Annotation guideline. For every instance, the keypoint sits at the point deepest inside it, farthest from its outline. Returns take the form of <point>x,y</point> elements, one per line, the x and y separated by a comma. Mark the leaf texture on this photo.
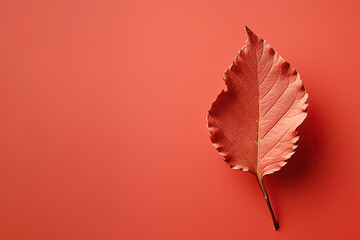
<point>253,123</point>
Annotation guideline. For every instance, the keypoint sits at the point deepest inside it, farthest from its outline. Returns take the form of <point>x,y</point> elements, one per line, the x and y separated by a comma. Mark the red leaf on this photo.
<point>253,123</point>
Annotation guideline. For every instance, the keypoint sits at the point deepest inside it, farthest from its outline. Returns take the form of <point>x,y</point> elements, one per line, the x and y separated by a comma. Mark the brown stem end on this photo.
<point>266,196</point>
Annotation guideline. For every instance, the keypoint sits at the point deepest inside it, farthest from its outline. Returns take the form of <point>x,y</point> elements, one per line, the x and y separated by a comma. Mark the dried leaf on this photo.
<point>253,123</point>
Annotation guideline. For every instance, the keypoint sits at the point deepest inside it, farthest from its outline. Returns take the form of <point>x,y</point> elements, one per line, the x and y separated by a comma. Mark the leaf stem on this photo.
<point>266,197</point>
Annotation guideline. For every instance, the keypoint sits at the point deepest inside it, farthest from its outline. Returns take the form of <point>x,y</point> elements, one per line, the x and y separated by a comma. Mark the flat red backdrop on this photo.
<point>103,130</point>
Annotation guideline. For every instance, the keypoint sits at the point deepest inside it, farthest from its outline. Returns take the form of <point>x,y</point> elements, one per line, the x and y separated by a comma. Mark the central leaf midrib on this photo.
<point>259,120</point>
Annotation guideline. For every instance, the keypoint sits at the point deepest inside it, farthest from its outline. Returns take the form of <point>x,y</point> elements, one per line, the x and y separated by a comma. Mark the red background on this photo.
<point>103,131</point>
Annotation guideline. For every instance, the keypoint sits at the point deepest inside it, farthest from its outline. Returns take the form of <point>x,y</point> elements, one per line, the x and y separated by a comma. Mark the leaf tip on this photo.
<point>249,32</point>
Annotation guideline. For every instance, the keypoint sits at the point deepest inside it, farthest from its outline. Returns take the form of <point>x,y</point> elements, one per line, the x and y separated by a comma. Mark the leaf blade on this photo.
<point>253,123</point>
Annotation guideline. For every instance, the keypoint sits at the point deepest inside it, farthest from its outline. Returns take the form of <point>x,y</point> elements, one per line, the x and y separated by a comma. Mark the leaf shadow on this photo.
<point>303,165</point>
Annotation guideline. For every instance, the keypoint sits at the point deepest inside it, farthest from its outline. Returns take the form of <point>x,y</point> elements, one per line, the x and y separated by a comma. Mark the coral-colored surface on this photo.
<point>103,131</point>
